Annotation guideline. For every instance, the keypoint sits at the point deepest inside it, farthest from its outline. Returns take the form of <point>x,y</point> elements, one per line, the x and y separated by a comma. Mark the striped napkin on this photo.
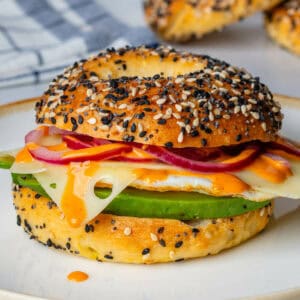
<point>39,38</point>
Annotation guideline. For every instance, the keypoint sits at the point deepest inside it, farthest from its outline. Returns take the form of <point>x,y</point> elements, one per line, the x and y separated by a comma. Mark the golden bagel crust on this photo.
<point>283,25</point>
<point>162,97</point>
<point>133,240</point>
<point>182,20</point>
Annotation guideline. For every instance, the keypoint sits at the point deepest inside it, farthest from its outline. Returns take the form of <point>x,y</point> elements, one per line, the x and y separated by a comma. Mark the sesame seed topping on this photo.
<point>180,137</point>
<point>91,121</point>
<point>153,237</point>
<point>127,231</point>
<point>192,104</point>
<point>145,251</point>
<point>171,254</point>
<point>161,101</point>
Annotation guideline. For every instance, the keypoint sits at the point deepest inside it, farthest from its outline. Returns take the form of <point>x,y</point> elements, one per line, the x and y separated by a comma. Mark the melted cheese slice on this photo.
<point>71,187</point>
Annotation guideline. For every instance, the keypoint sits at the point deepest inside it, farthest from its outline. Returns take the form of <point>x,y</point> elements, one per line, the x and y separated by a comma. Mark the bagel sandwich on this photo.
<point>148,155</point>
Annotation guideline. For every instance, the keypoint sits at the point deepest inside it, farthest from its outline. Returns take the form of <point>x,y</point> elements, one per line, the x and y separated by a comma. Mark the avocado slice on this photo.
<point>6,161</point>
<point>168,205</point>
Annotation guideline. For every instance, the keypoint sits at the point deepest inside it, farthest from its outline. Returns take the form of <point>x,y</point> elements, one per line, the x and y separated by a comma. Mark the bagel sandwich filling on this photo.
<point>137,143</point>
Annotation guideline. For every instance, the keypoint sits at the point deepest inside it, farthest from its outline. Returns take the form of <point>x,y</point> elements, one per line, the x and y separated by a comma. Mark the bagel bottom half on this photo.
<point>133,240</point>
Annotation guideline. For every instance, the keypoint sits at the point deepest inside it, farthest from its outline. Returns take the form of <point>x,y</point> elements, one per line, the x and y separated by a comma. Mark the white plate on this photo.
<point>264,265</point>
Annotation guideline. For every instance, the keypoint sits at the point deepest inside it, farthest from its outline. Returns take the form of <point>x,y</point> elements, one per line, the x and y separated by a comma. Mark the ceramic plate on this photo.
<point>267,264</point>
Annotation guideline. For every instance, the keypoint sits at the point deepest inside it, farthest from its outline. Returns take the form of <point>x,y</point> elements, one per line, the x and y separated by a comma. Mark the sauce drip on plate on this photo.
<point>78,276</point>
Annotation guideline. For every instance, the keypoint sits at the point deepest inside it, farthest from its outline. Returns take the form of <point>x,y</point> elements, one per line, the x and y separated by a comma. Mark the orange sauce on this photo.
<point>223,183</point>
<point>91,151</point>
<point>72,205</point>
<point>24,156</point>
<point>270,169</point>
<point>138,153</point>
<point>58,147</point>
<point>78,276</point>
<point>284,154</point>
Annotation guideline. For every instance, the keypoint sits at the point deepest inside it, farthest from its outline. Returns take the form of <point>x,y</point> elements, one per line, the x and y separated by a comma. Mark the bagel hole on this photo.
<point>146,66</point>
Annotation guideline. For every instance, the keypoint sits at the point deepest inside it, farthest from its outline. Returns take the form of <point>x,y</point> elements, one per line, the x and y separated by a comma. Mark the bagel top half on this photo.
<point>155,95</point>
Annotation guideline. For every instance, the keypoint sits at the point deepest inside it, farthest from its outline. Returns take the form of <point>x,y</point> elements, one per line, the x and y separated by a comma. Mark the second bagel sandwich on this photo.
<point>146,155</point>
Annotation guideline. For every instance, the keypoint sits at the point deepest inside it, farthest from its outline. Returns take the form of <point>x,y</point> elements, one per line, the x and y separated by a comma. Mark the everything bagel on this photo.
<point>160,96</point>
<point>283,25</point>
<point>182,20</point>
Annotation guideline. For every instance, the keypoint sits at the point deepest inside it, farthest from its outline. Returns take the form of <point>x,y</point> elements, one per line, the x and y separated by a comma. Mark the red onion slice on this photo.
<point>239,162</point>
<point>103,152</point>
<point>285,146</point>
<point>198,154</point>
<point>136,160</point>
<point>75,143</point>
<point>34,136</point>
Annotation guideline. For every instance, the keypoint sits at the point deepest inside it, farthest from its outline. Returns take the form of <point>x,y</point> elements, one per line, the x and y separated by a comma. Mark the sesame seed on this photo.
<point>238,137</point>
<point>178,244</point>
<point>252,101</point>
<point>161,101</point>
<point>263,126</point>
<point>172,98</point>
<point>181,124</point>
<point>208,235</point>
<point>179,80</point>
<point>262,212</point>
<point>145,251</point>
<point>176,116</point>
<point>196,122</point>
<point>191,79</point>
<point>255,115</point>
<point>168,112</point>
<point>89,92</point>
<point>236,109</point>
<point>133,91</point>
<point>178,107</point>
<point>91,121</point>
<point>185,92</point>
<point>171,254</point>
<point>169,144</point>
<point>140,127</point>
<point>157,116</point>
<point>243,109</point>
<point>161,121</point>
<point>180,137</point>
<point>153,237</point>
<point>120,128</point>
<point>122,106</point>
<point>104,127</point>
<point>160,229</point>
<point>162,242</point>
<point>183,97</point>
<point>127,231</point>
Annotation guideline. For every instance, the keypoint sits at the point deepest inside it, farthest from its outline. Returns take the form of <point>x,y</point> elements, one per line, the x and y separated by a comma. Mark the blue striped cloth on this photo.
<point>38,38</point>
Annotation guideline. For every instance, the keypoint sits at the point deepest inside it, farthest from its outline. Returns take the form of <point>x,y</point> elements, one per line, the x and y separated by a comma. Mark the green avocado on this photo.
<point>168,205</point>
<point>6,161</point>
